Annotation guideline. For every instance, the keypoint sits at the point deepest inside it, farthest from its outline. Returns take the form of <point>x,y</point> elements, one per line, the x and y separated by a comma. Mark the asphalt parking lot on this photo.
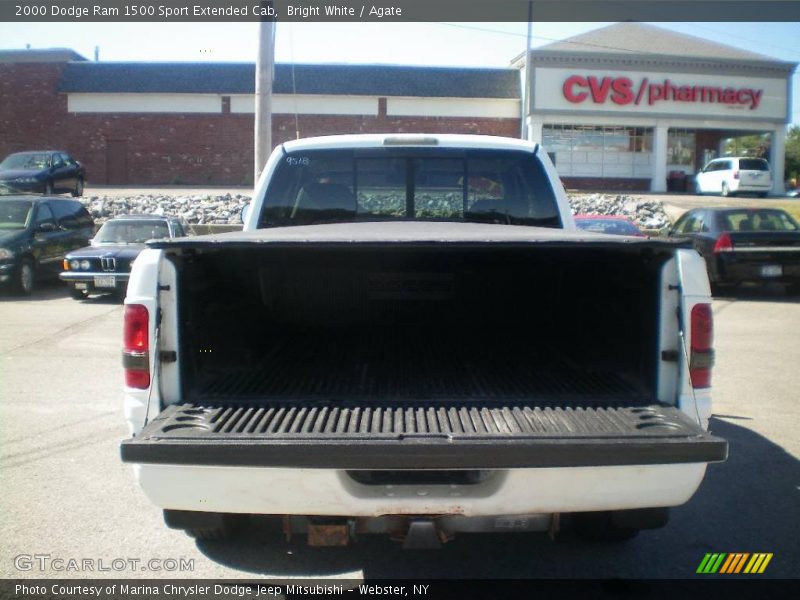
<point>65,493</point>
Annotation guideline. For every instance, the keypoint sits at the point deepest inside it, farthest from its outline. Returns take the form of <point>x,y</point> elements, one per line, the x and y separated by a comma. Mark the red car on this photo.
<point>613,224</point>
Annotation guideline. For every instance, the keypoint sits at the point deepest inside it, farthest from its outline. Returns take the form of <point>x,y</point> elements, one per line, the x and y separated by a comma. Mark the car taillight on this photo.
<point>136,346</point>
<point>701,357</point>
<point>724,243</point>
<point>736,174</point>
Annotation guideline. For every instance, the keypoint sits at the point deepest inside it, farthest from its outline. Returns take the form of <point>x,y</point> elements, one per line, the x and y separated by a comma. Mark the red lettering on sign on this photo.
<point>569,92</point>
<point>623,91</point>
<point>599,90</point>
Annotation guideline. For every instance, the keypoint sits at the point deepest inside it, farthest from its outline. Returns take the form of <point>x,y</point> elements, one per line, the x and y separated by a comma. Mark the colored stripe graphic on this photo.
<point>758,563</point>
<point>711,563</point>
<point>734,563</point>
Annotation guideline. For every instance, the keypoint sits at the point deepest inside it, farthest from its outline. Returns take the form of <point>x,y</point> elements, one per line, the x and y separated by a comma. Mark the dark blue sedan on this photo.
<point>42,172</point>
<point>105,266</point>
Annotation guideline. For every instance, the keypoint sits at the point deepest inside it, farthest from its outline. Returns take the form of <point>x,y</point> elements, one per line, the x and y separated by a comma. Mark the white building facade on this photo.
<point>636,107</point>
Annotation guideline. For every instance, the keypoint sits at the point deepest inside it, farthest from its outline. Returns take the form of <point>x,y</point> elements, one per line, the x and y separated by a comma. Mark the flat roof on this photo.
<point>29,55</point>
<point>336,79</point>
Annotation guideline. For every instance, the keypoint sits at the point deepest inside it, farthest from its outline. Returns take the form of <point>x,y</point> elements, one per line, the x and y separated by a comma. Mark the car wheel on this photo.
<point>762,194</point>
<point>77,294</point>
<point>599,527</point>
<point>78,191</point>
<point>48,188</point>
<point>26,274</point>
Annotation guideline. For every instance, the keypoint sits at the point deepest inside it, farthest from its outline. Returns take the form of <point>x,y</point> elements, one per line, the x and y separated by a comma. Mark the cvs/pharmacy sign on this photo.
<point>624,91</point>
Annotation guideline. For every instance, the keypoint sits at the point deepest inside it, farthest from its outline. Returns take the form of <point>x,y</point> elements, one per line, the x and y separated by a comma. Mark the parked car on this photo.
<point>105,265</point>
<point>745,244</point>
<point>35,234</point>
<point>734,174</point>
<point>612,224</point>
<point>45,172</point>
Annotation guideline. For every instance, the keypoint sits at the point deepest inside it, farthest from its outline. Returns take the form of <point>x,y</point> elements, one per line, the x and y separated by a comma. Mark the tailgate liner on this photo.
<point>435,435</point>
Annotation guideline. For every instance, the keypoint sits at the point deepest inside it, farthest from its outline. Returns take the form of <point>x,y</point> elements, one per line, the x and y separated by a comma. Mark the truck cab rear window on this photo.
<point>344,186</point>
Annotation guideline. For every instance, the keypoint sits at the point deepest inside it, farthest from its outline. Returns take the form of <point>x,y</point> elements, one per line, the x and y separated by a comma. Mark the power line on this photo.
<point>586,44</point>
<point>544,38</point>
<point>738,37</point>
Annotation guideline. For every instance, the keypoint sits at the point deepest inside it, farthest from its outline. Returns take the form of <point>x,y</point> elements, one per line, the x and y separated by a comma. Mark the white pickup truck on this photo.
<point>411,337</point>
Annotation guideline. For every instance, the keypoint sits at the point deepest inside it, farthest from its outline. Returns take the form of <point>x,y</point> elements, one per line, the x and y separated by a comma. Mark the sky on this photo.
<point>442,44</point>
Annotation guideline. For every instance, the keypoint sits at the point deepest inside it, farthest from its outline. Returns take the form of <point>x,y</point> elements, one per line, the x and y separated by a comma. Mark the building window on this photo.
<point>681,145</point>
<point>593,151</point>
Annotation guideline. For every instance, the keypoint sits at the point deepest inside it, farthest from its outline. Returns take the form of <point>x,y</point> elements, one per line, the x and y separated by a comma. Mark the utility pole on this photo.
<point>264,72</point>
<point>526,108</point>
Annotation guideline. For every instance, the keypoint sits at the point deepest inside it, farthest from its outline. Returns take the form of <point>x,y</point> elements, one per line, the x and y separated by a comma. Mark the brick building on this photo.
<point>192,123</point>
<point>621,107</point>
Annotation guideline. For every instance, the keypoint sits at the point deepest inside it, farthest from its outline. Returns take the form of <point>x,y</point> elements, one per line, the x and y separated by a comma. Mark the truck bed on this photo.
<point>464,354</point>
<point>409,365</point>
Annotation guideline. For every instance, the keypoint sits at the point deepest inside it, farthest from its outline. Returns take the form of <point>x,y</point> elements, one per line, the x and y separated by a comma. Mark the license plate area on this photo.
<point>105,281</point>
<point>771,271</point>
<point>81,286</point>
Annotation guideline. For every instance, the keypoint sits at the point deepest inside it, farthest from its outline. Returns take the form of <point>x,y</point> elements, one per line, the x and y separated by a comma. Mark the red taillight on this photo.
<point>724,243</point>
<point>736,174</point>
<point>136,346</point>
<point>701,357</point>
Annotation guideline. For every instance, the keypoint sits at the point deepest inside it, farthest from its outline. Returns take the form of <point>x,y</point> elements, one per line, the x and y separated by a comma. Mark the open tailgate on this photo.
<point>462,435</point>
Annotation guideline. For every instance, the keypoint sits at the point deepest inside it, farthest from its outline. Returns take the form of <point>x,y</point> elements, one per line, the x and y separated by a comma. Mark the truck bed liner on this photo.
<point>433,435</point>
<point>411,367</point>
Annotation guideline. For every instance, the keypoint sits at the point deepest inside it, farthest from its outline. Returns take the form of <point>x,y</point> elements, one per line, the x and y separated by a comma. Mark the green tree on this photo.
<point>792,164</point>
<point>747,145</point>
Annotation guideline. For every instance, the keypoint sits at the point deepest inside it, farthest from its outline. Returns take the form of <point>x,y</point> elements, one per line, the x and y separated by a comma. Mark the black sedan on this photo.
<point>43,172</point>
<point>35,234</point>
<point>744,245</point>
<point>104,267</point>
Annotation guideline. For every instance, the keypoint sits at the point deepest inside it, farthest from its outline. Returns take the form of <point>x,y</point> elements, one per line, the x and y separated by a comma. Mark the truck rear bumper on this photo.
<point>330,492</point>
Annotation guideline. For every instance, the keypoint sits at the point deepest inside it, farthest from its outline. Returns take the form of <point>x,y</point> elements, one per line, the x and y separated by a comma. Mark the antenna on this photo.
<point>294,83</point>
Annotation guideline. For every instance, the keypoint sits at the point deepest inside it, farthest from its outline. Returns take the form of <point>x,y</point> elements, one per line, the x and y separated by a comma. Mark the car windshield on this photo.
<point>15,214</point>
<point>760,220</point>
<point>130,232</point>
<point>612,226</point>
<point>753,164</point>
<point>27,160</point>
<point>508,187</point>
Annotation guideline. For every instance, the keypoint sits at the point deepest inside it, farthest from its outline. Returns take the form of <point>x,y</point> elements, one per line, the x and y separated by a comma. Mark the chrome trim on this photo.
<point>90,275</point>
<point>766,249</point>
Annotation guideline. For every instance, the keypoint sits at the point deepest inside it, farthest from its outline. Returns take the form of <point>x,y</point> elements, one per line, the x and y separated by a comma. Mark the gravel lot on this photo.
<point>66,494</point>
<point>215,206</point>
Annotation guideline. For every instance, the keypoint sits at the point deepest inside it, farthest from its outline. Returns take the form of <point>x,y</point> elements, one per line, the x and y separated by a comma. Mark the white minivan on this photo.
<point>733,174</point>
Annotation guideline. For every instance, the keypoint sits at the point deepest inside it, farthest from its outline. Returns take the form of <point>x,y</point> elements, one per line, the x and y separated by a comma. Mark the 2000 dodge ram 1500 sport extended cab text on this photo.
<point>410,336</point>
